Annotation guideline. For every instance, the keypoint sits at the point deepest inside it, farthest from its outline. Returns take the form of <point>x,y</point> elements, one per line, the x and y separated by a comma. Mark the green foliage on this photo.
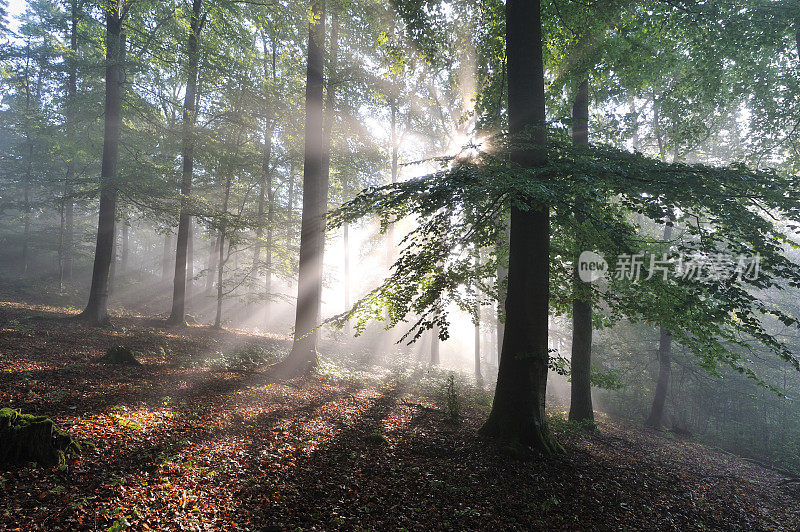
<point>731,210</point>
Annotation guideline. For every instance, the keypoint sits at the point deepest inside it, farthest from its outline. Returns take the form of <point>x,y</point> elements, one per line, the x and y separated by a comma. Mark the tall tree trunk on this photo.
<point>26,189</point>
<point>178,314</point>
<point>72,92</point>
<point>435,359</point>
<point>125,249</point>
<point>189,267</point>
<point>96,310</point>
<point>221,258</point>
<point>395,161</point>
<point>580,408</point>
<point>662,384</point>
<point>112,275</point>
<point>212,263</point>
<point>303,357</point>
<point>477,328</point>
<point>518,410</point>
<point>166,257</point>
<point>477,352</point>
<point>26,214</point>
<point>266,187</point>
<point>346,244</point>
<point>664,366</point>
<point>290,204</point>
<point>502,277</point>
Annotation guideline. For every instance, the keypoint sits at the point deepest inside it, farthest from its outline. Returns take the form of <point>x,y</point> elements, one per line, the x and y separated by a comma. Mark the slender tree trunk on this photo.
<point>69,232</point>
<point>518,410</point>
<point>502,278</point>
<point>123,266</point>
<point>166,257</point>
<point>395,161</point>
<point>26,203</point>
<point>435,346</point>
<point>664,366</point>
<point>189,266</point>
<point>477,328</point>
<point>178,313</point>
<point>478,373</point>
<point>26,215</point>
<point>581,363</point>
<point>347,303</point>
<point>303,357</point>
<point>290,205</point>
<point>221,259</point>
<point>61,245</point>
<point>112,276</point>
<point>212,263</point>
<point>267,187</point>
<point>96,310</point>
<point>72,91</point>
<point>220,271</point>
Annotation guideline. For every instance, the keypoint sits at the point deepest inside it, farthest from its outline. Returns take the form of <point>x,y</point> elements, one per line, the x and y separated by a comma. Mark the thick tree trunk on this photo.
<point>518,410</point>
<point>96,310</point>
<point>303,357</point>
<point>178,314</point>
<point>580,408</point>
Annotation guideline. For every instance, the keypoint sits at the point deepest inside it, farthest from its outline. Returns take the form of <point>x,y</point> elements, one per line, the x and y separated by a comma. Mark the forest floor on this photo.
<point>197,440</point>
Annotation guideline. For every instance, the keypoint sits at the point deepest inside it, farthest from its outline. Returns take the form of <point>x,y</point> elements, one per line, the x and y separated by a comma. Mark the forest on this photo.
<point>403,265</point>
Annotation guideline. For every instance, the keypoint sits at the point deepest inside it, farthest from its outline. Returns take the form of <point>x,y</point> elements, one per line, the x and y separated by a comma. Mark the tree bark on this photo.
<point>346,243</point>
<point>212,263</point>
<point>96,311</point>
<point>123,264</point>
<point>178,314</point>
<point>72,91</point>
<point>656,416</point>
<point>518,410</point>
<point>166,257</point>
<point>581,362</point>
<point>266,189</point>
<point>221,260</point>
<point>435,346</point>
<point>303,357</point>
